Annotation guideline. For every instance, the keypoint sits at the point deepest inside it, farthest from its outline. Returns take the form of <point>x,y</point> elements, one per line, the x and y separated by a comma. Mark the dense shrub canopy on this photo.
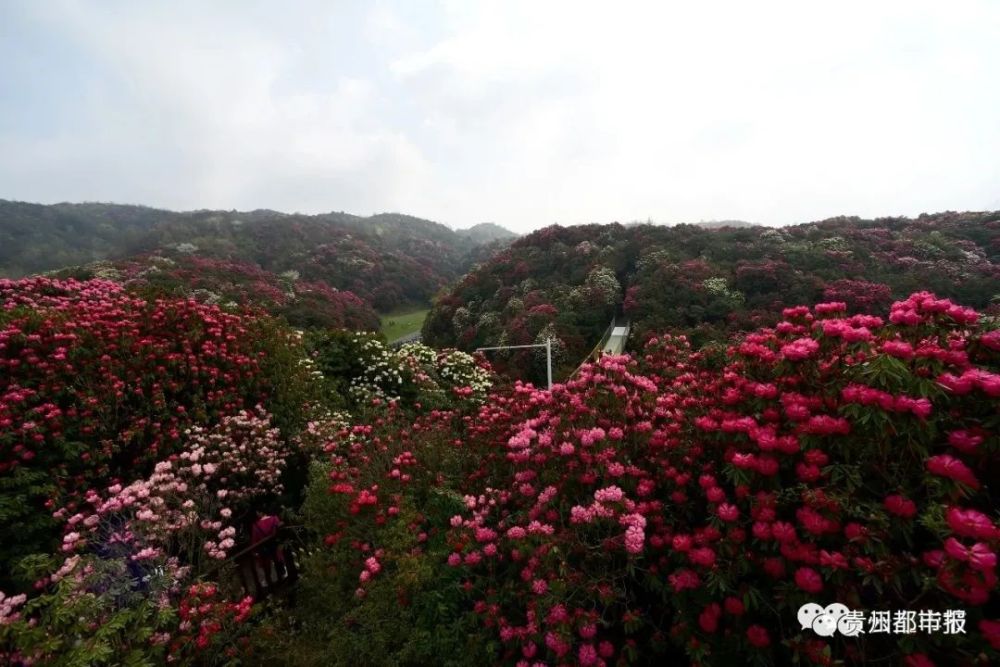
<point>140,437</point>
<point>707,283</point>
<point>685,504</point>
<point>680,504</point>
<point>98,385</point>
<point>302,303</point>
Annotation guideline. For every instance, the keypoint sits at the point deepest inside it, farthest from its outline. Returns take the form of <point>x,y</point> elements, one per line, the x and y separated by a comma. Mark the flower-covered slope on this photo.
<point>140,438</point>
<point>685,504</point>
<point>302,303</point>
<point>680,505</point>
<point>568,282</point>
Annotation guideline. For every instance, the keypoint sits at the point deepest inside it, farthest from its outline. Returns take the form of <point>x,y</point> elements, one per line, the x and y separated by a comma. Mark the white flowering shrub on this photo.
<point>358,370</point>
<point>380,376</point>
<point>603,282</point>
<point>558,345</point>
<point>460,370</point>
<point>416,373</point>
<point>718,286</point>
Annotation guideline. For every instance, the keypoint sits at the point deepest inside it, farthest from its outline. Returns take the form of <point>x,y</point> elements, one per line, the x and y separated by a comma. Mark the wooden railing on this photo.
<point>265,567</point>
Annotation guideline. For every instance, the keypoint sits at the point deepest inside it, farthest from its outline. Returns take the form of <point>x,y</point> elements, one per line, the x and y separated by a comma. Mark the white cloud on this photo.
<point>526,113</point>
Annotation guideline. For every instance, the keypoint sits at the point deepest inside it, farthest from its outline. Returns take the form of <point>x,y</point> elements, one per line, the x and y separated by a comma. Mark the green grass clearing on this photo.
<point>397,325</point>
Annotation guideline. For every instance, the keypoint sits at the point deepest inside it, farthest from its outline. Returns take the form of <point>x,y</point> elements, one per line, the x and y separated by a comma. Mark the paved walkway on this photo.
<point>616,341</point>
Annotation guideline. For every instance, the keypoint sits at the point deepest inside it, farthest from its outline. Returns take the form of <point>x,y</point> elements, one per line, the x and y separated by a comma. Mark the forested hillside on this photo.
<point>568,282</point>
<point>388,260</point>
<point>303,303</point>
<point>35,238</point>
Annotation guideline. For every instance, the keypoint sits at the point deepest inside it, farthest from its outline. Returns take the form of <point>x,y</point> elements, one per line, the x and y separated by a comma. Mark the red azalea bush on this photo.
<point>97,386</point>
<point>378,590</point>
<point>207,626</point>
<point>859,295</point>
<point>691,502</point>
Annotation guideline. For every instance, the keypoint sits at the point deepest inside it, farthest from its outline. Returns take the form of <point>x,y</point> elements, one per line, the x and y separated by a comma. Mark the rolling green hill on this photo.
<point>389,260</point>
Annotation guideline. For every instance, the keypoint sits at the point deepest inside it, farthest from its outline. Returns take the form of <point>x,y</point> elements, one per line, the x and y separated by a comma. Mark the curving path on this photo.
<point>612,342</point>
<point>615,343</point>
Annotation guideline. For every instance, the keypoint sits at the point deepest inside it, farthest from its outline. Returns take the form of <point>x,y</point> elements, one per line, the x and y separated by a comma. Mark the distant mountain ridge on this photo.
<point>720,224</point>
<point>487,232</point>
<point>388,259</point>
<point>704,224</point>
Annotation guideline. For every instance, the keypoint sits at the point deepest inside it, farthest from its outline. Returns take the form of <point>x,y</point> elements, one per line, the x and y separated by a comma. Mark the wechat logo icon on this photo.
<point>828,621</point>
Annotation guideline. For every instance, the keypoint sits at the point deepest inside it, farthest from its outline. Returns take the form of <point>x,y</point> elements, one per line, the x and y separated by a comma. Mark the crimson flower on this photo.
<point>728,512</point>
<point>757,636</point>
<point>971,523</point>
<point>978,556</point>
<point>900,506</point>
<point>948,466</point>
<point>808,580</point>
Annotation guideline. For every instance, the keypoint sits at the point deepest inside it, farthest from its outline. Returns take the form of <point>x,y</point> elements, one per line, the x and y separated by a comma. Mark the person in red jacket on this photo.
<point>265,529</point>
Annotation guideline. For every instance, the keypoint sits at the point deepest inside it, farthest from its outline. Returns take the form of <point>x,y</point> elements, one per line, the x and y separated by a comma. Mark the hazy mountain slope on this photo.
<point>34,237</point>
<point>717,224</point>
<point>487,232</point>
<point>387,259</point>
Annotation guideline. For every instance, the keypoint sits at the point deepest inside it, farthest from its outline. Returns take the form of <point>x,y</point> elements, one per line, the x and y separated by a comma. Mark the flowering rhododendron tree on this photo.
<point>686,504</point>
<point>186,511</point>
<point>91,611</point>
<point>125,420</point>
<point>190,503</point>
<point>98,385</point>
<point>207,621</point>
<point>378,590</point>
<point>145,542</point>
<point>369,372</point>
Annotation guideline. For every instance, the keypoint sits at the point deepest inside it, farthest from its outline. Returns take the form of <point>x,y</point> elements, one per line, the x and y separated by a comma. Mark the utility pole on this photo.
<point>548,353</point>
<point>548,359</point>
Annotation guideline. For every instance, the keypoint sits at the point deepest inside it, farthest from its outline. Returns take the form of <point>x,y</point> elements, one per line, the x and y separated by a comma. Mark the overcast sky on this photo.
<point>520,113</point>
